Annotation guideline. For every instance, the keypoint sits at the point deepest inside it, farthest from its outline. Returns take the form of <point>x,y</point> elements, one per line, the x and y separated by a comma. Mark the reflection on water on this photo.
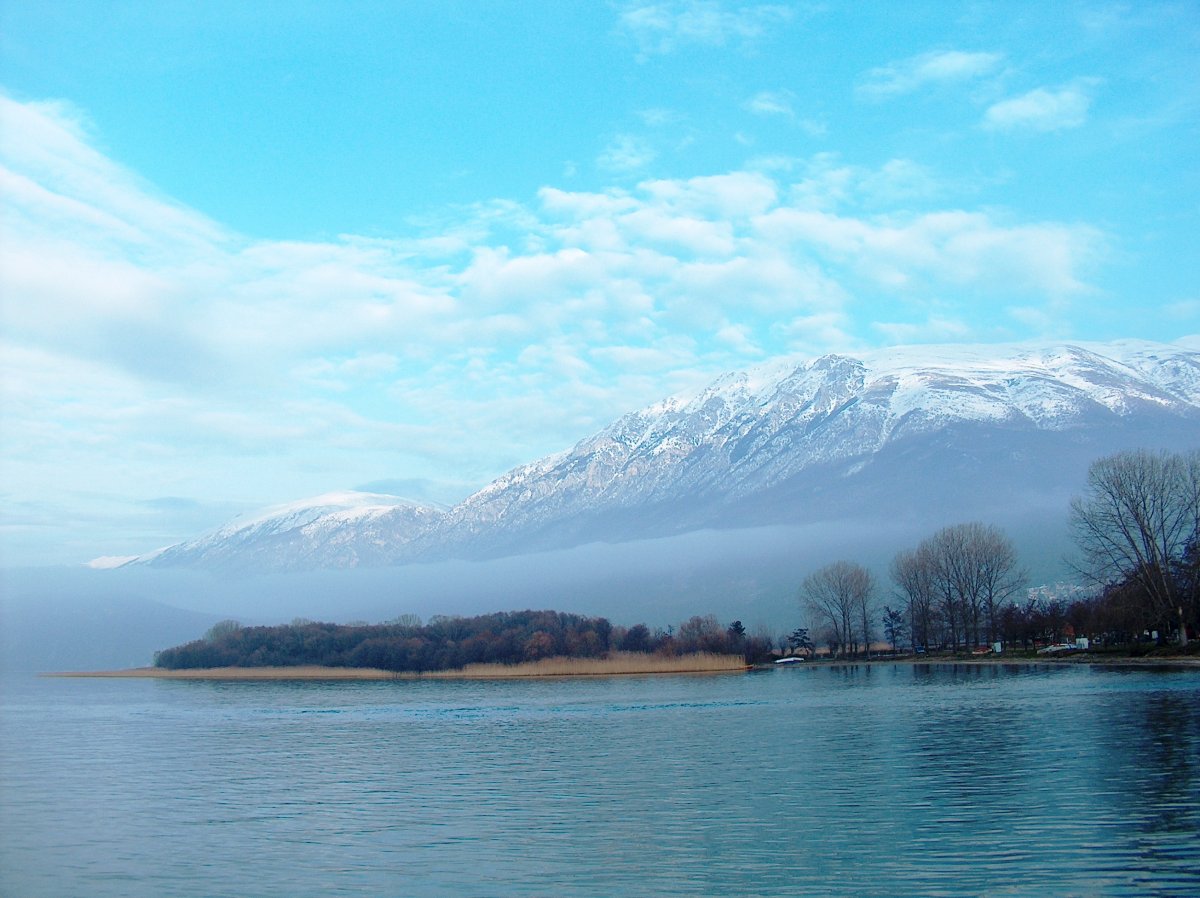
<point>1166,738</point>
<point>838,780</point>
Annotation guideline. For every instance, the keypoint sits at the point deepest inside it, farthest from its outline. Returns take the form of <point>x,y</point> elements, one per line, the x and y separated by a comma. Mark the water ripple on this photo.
<point>918,780</point>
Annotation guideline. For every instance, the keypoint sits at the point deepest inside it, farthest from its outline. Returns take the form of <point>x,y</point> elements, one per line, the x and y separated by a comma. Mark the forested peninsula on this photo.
<point>405,645</point>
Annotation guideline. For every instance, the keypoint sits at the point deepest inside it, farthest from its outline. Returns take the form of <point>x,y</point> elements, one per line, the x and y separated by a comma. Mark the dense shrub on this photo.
<point>443,643</point>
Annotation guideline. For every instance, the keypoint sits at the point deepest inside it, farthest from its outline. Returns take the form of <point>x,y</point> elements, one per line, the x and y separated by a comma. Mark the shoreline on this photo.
<point>1055,660</point>
<point>620,665</point>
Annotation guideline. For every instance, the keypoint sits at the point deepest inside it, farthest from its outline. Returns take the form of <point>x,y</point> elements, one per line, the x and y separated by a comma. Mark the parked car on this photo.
<point>1056,648</point>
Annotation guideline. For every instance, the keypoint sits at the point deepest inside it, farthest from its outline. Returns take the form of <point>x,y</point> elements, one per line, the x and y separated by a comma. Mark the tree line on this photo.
<point>1137,527</point>
<point>451,642</point>
<point>953,588</point>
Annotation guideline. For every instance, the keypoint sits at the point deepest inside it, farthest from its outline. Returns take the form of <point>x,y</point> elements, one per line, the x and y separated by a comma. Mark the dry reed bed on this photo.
<point>618,664</point>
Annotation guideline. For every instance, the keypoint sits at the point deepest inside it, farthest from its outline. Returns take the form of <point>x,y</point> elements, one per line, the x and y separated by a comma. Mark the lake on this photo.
<point>855,780</point>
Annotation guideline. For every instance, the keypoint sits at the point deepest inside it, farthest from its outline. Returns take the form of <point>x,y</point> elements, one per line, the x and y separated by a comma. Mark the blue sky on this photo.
<point>257,251</point>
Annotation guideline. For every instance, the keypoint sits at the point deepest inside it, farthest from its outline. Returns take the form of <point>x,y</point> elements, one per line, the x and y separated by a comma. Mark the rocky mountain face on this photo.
<point>957,430</point>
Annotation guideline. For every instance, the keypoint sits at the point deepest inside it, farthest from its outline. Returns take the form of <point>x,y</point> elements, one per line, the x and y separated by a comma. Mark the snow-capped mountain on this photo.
<point>342,529</point>
<point>828,437</point>
<point>956,429</point>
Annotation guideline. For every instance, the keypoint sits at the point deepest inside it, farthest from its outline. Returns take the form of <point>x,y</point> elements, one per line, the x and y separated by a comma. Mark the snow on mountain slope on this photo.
<point>778,442</point>
<point>750,432</point>
<point>341,529</point>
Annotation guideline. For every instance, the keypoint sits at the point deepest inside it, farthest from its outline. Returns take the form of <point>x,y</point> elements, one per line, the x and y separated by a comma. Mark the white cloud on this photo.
<point>1042,109</point>
<point>573,204</point>
<point>341,374</point>
<point>950,248</point>
<point>626,153</point>
<point>1184,310</point>
<point>897,181</point>
<point>92,197</point>
<point>941,67</point>
<point>816,334</point>
<point>813,127</point>
<point>731,196</point>
<point>1036,320</point>
<point>932,330</point>
<point>642,358</point>
<point>780,104</point>
<point>664,27</point>
<point>827,182</point>
<point>659,228</point>
<point>657,118</point>
<point>496,278</point>
<point>668,253</point>
<point>740,339</point>
<point>770,283</point>
<point>559,356</point>
<point>767,102</point>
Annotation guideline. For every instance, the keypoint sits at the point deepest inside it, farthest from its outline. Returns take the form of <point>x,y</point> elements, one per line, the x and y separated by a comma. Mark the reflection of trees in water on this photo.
<point>951,674</point>
<point>1086,778</point>
<point>1168,748</point>
<point>853,674</point>
<point>970,740</point>
<point>1149,744</point>
<point>967,754</point>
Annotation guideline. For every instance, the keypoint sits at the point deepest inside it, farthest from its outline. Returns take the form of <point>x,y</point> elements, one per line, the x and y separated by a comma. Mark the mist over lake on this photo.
<point>77,618</point>
<point>837,780</point>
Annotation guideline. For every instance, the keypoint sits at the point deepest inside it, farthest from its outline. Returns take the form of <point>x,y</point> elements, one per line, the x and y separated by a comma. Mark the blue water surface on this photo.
<point>852,780</point>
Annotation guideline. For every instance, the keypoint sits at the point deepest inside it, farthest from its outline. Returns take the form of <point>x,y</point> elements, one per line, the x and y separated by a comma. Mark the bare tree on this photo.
<point>406,622</point>
<point>1000,578</point>
<point>703,634</point>
<point>953,577</point>
<point>865,603</point>
<point>836,595</point>
<point>913,575</point>
<point>965,574</point>
<point>1139,521</point>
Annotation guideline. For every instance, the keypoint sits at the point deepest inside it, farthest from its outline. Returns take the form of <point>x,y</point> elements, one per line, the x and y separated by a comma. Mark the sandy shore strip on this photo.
<point>619,665</point>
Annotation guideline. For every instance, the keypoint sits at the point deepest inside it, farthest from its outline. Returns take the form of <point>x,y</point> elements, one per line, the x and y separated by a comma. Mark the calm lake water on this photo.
<point>887,780</point>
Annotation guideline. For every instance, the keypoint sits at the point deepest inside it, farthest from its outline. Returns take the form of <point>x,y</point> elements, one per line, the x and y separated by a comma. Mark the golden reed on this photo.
<point>616,664</point>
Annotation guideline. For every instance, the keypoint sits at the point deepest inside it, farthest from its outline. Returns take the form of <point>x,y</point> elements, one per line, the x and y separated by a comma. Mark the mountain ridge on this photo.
<point>741,448</point>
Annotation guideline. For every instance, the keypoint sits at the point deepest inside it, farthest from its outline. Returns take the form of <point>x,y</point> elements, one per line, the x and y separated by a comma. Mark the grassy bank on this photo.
<point>623,663</point>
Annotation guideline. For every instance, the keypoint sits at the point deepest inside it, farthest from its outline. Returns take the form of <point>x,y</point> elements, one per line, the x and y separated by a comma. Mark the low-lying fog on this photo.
<point>78,618</point>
